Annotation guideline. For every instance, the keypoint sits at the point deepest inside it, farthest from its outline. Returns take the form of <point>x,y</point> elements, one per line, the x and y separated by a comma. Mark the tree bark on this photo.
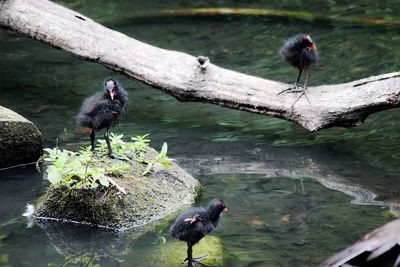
<point>182,76</point>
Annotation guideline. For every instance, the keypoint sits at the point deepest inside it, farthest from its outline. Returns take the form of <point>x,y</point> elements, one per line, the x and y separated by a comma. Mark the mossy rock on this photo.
<point>148,198</point>
<point>172,253</point>
<point>20,140</point>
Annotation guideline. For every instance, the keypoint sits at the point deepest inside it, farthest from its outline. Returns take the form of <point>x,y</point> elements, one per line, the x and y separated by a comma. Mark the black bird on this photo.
<point>195,223</point>
<point>103,111</point>
<point>380,248</point>
<point>300,52</point>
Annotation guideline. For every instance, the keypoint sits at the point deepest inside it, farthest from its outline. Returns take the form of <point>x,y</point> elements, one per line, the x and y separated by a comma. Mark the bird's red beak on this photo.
<point>312,47</point>
<point>225,210</point>
<point>112,94</point>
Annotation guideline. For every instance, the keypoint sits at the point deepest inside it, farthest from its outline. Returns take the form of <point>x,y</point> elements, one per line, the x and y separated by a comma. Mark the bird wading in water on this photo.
<point>194,224</point>
<point>300,52</point>
<point>103,111</point>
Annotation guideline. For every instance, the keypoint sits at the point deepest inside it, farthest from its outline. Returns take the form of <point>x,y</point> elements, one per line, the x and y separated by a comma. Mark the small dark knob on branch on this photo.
<point>203,61</point>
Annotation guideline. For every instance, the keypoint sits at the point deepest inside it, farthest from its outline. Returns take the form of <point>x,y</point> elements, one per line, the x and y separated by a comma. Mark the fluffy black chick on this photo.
<point>103,110</point>
<point>195,223</point>
<point>300,52</point>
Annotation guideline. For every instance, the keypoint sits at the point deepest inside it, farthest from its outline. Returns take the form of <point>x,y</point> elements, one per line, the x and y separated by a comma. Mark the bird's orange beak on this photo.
<point>225,210</point>
<point>112,94</point>
<point>312,47</point>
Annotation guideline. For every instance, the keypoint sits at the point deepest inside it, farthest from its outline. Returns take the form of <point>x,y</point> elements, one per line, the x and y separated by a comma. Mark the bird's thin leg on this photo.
<point>192,261</point>
<point>303,92</point>
<point>294,89</point>
<point>110,152</point>
<point>307,74</point>
<point>107,137</point>
<point>92,139</point>
<point>189,257</point>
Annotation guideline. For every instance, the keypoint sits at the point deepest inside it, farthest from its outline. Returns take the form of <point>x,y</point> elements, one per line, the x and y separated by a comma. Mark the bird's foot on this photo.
<point>298,88</point>
<point>298,98</point>
<point>195,261</point>
<point>114,156</point>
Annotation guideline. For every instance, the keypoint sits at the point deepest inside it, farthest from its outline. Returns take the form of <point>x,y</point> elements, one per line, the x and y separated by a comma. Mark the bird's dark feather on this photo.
<point>295,52</point>
<point>192,233</point>
<point>99,111</point>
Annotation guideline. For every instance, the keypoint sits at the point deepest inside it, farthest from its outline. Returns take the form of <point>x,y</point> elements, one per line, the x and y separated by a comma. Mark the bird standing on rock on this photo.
<point>195,223</point>
<point>300,52</point>
<point>103,111</point>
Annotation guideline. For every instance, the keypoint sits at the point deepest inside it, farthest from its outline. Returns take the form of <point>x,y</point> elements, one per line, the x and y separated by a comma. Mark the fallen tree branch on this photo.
<point>182,76</point>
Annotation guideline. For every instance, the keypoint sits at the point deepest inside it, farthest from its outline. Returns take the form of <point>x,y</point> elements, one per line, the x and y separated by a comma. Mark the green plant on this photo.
<point>161,159</point>
<point>117,170</point>
<point>115,141</point>
<point>130,150</point>
<point>140,142</point>
<point>82,170</point>
<point>160,238</point>
<point>74,170</point>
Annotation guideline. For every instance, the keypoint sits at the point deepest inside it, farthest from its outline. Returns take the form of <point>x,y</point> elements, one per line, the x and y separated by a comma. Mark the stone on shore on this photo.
<point>20,139</point>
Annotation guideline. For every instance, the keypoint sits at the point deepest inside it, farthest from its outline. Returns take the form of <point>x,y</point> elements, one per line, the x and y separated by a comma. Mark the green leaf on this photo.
<point>148,168</point>
<point>165,164</point>
<point>54,177</point>
<point>104,181</point>
<point>164,149</point>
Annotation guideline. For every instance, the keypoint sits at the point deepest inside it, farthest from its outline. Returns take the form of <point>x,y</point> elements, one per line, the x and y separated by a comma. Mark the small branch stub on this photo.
<point>203,61</point>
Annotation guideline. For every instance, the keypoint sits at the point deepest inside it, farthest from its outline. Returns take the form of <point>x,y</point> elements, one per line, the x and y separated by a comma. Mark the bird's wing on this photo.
<point>377,243</point>
<point>192,219</point>
<point>93,102</point>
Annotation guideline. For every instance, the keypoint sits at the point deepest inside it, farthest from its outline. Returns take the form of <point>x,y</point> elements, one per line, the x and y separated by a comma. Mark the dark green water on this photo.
<point>294,197</point>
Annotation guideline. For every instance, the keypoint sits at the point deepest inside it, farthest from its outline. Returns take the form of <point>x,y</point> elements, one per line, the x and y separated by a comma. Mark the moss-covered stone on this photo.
<point>174,252</point>
<point>20,139</point>
<point>147,198</point>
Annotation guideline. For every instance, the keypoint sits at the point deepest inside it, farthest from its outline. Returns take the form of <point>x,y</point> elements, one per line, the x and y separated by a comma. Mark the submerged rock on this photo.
<point>174,252</point>
<point>146,198</point>
<point>20,139</point>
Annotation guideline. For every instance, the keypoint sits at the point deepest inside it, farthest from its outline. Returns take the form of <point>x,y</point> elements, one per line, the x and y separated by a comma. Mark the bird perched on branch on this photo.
<point>195,223</point>
<point>300,52</point>
<point>103,111</point>
<point>380,248</point>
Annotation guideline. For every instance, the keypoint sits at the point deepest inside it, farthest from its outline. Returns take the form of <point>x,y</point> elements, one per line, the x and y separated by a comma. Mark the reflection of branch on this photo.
<point>311,169</point>
<point>263,12</point>
<point>187,79</point>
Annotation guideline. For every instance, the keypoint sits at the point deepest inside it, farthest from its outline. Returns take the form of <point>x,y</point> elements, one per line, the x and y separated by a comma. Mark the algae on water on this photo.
<point>174,252</point>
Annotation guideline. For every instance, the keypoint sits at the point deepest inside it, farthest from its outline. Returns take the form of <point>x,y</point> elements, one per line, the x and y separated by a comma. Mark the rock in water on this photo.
<point>142,200</point>
<point>20,139</point>
<point>172,253</point>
